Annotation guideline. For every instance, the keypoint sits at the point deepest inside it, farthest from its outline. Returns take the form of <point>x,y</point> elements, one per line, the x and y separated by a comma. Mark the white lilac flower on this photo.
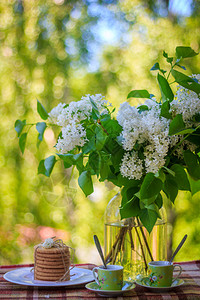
<point>72,135</point>
<point>74,112</point>
<point>131,166</point>
<point>182,147</point>
<point>100,102</point>
<point>146,128</point>
<point>186,102</point>
<point>69,118</point>
<point>126,113</point>
<point>77,110</point>
<point>55,112</point>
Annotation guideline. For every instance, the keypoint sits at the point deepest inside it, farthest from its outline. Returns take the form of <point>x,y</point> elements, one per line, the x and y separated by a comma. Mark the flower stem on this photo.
<point>183,139</point>
<point>142,249</point>
<point>145,240</point>
<point>120,239</point>
<point>99,122</point>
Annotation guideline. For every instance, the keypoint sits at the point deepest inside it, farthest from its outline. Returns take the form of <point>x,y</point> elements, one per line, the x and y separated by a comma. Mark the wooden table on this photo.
<point>190,290</point>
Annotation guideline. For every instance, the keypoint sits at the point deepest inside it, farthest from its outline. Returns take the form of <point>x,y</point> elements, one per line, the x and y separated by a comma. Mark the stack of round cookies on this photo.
<point>51,264</point>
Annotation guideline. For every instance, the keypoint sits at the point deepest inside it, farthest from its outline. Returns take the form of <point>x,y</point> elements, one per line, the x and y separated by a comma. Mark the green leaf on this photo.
<point>149,201</point>
<point>155,67</point>
<point>67,158</point>
<point>139,94</point>
<point>181,178</point>
<point>165,89</point>
<point>170,187</point>
<point>177,125</point>
<point>112,127</point>
<point>78,161</point>
<point>151,186</point>
<point>165,54</point>
<point>161,174</point>
<point>19,125</point>
<point>70,159</point>
<point>85,182</point>
<point>94,162</point>
<point>104,170</point>
<point>148,217</point>
<point>165,110</point>
<point>159,201</point>
<point>130,209</point>
<point>183,52</point>
<point>49,163</point>
<point>42,111</point>
<point>196,117</point>
<point>40,126</point>
<point>182,67</point>
<point>192,163</point>
<point>185,81</point>
<point>142,108</point>
<point>195,185</point>
<point>194,139</point>
<point>22,142</point>
<point>124,181</point>
<point>95,111</point>
<point>116,158</point>
<point>185,131</point>
<point>46,166</point>
<point>41,168</point>
<point>169,171</point>
<point>128,193</point>
<point>90,145</point>
<point>116,151</point>
<point>101,137</point>
<point>169,59</point>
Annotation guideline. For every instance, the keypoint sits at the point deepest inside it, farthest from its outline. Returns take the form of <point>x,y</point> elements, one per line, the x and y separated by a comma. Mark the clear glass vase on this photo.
<point>128,243</point>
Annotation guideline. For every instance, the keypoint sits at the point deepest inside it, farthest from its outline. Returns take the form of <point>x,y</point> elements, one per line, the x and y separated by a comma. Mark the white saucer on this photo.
<point>25,276</point>
<point>127,286</point>
<point>175,284</point>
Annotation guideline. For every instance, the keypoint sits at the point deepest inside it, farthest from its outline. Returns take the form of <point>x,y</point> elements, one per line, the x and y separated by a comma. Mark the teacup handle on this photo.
<point>180,271</point>
<point>95,270</point>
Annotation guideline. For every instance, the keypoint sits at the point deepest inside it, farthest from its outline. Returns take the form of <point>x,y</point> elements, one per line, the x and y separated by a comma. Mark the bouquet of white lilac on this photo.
<point>146,150</point>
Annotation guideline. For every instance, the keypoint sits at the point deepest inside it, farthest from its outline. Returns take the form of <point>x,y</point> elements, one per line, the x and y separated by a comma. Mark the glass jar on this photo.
<point>128,243</point>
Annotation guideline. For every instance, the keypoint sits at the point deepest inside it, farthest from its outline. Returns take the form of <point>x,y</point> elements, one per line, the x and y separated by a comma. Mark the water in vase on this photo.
<point>133,247</point>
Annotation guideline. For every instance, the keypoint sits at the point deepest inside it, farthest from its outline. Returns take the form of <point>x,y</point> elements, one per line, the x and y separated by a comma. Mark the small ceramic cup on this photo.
<point>161,273</point>
<point>110,278</point>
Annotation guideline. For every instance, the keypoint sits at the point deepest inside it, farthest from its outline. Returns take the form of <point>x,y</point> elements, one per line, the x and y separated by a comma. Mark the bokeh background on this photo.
<point>57,51</point>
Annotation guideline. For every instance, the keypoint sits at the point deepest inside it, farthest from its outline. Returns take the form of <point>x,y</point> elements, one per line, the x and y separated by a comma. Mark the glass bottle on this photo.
<point>128,243</point>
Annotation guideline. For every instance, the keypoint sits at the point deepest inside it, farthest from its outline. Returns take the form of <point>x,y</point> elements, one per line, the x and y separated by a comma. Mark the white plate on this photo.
<point>127,286</point>
<point>25,276</point>
<point>175,284</point>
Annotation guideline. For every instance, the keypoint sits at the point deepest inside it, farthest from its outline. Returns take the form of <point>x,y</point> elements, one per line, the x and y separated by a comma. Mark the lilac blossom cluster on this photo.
<point>145,133</point>
<point>69,118</point>
<point>151,131</point>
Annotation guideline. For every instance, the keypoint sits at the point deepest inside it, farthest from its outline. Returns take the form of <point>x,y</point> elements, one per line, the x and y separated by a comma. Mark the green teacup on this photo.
<point>110,278</point>
<point>161,273</point>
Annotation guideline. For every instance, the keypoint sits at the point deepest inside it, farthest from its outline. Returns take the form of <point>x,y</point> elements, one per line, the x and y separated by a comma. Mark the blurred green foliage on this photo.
<point>58,50</point>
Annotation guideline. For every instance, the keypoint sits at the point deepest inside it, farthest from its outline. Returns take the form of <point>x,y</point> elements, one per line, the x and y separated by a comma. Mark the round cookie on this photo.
<point>50,271</point>
<point>59,264</point>
<point>53,260</point>
<point>51,264</point>
<point>55,266</point>
<point>53,250</point>
<point>51,278</point>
